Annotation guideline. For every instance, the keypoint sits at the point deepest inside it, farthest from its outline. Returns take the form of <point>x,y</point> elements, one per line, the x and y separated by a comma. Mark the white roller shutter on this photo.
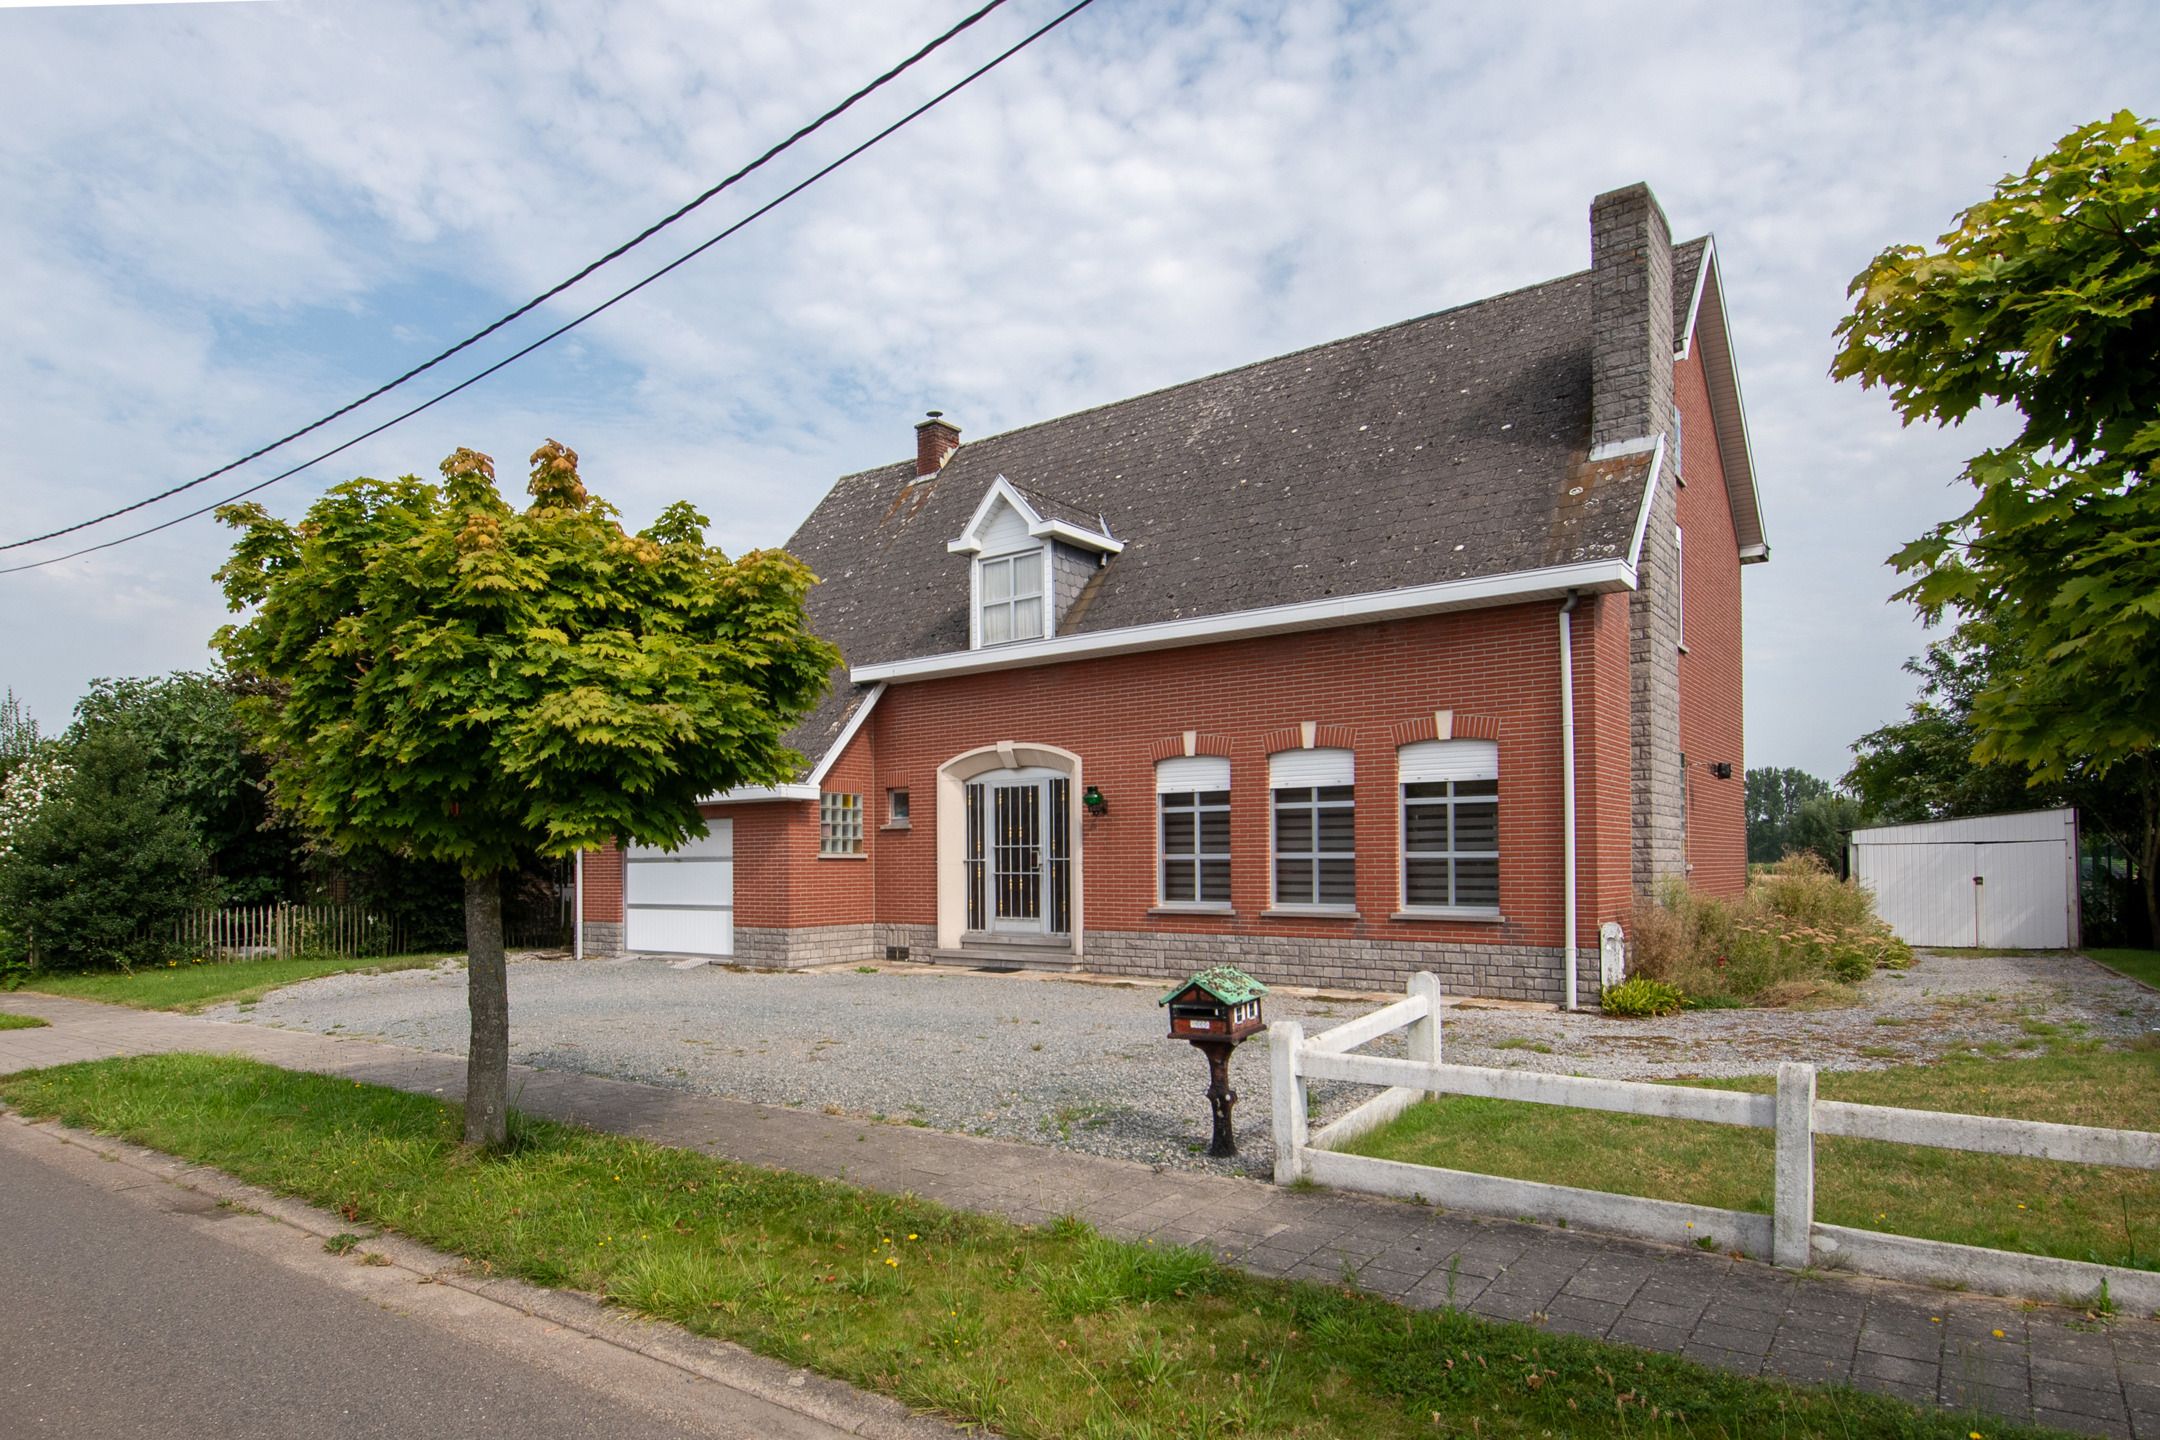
<point>1296,769</point>
<point>1431,760</point>
<point>682,902</point>
<point>1192,772</point>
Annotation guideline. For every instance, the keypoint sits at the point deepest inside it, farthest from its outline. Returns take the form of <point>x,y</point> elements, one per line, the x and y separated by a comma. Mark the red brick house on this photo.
<point>1296,665</point>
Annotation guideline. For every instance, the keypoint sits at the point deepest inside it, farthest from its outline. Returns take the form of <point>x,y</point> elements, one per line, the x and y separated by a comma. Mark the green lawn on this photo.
<point>2137,964</point>
<point>2079,1212</point>
<point>188,987</point>
<point>1056,1332</point>
<point>19,1022</point>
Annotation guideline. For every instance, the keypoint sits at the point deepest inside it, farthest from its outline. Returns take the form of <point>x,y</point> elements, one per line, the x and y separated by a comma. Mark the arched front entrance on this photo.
<point>1008,846</point>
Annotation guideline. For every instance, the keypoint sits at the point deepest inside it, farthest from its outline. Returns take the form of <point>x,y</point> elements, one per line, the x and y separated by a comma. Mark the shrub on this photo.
<point>1641,996</point>
<point>102,871</point>
<point>1797,932</point>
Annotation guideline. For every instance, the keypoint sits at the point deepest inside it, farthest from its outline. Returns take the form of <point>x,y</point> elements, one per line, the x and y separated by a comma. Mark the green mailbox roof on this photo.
<point>1226,983</point>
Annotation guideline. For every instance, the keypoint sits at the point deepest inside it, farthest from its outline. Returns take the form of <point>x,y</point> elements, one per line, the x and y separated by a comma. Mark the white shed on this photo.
<point>1995,881</point>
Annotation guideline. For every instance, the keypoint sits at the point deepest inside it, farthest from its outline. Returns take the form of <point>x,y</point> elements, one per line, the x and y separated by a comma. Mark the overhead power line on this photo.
<point>923,109</point>
<point>538,300</point>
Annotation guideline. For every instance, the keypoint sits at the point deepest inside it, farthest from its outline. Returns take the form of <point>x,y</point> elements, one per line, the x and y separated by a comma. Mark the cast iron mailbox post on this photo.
<point>1214,1010</point>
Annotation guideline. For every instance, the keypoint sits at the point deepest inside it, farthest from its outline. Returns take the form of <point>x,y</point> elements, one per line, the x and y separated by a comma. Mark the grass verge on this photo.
<point>2137,964</point>
<point>194,987</point>
<point>19,1022</point>
<point>1052,1333</point>
<point>2077,1212</point>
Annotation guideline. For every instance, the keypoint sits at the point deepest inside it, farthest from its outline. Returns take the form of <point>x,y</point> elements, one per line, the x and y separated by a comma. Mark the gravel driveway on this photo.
<point>1051,1060</point>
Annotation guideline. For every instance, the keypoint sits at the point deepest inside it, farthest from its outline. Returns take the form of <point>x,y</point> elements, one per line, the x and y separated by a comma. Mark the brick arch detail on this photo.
<point>1174,747</point>
<point>1292,737</point>
<point>1463,727</point>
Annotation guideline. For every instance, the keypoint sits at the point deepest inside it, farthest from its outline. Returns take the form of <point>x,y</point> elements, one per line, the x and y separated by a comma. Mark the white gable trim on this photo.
<point>1649,496</point>
<point>744,794</point>
<point>1685,340</point>
<point>1520,586</point>
<point>970,541</point>
<point>834,751</point>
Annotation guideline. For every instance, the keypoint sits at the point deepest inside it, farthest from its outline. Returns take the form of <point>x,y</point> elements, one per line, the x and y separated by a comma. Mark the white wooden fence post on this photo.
<point>1793,1211</point>
<point>1423,1042</point>
<point>1284,1037</point>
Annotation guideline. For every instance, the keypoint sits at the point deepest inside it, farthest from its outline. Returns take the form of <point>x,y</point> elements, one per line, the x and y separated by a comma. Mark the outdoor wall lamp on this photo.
<point>1721,769</point>
<point>1092,797</point>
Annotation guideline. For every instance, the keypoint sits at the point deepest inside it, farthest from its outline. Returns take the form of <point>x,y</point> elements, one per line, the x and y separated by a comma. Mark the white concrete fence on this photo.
<point>1790,1236</point>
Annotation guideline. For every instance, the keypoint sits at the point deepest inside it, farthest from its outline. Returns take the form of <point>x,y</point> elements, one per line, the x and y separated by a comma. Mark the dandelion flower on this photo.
<point>1997,1334</point>
<point>890,1260</point>
<point>914,1237</point>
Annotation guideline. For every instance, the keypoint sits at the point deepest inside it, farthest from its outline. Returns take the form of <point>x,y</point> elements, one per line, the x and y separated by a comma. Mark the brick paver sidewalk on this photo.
<point>1930,1347</point>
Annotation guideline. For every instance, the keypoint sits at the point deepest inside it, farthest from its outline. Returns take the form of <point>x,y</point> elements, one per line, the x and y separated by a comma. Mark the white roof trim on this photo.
<point>1517,586</point>
<point>847,736</point>
<point>970,541</point>
<point>1685,340</point>
<point>743,794</point>
<point>1649,495</point>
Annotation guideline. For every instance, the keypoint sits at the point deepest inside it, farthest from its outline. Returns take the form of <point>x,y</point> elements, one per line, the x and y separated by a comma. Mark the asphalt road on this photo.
<point>134,1315</point>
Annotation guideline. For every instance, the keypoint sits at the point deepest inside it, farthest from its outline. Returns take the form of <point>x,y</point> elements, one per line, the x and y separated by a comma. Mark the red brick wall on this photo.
<point>1710,679</point>
<point>1500,665</point>
<point>603,887</point>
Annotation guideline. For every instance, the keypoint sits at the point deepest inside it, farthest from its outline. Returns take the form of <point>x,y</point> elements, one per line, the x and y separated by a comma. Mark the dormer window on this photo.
<point>1011,587</point>
<point>1029,557</point>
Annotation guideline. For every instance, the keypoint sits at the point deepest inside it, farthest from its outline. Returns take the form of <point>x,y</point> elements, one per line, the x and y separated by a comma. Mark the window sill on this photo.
<point>1310,912</point>
<point>857,855</point>
<point>896,825</point>
<point>1191,907</point>
<point>1449,912</point>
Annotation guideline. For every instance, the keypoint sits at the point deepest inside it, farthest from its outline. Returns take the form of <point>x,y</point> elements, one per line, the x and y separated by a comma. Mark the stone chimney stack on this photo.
<point>936,438</point>
<point>1631,364</point>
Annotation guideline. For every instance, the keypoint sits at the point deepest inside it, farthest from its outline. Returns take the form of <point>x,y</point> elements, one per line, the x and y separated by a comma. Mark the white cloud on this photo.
<point>225,219</point>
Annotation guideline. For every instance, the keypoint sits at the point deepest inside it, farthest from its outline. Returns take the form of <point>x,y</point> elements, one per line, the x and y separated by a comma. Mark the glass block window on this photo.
<point>1315,827</point>
<point>1012,598</point>
<point>1451,825</point>
<point>1192,797</point>
<point>840,824</point>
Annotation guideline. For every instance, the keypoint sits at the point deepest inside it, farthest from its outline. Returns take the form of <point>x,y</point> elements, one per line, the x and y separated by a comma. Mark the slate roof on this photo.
<point>1441,448</point>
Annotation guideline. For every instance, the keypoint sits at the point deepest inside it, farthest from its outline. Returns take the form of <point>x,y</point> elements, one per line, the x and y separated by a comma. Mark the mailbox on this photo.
<point>1222,1003</point>
<point>1215,1010</point>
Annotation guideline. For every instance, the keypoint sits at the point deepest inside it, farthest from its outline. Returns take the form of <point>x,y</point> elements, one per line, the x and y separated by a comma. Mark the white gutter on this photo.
<point>577,909</point>
<point>1567,785</point>
<point>1520,586</point>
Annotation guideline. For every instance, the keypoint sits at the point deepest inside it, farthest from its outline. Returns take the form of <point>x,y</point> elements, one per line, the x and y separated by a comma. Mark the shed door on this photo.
<point>682,902</point>
<point>2022,895</point>
<point>1925,892</point>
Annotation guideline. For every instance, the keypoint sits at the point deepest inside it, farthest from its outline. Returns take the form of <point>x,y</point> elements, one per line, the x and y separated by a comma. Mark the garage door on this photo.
<point>1924,892</point>
<point>682,902</point>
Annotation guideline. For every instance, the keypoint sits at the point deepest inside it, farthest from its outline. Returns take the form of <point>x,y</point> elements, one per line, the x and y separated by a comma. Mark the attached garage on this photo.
<point>1993,881</point>
<point>682,902</point>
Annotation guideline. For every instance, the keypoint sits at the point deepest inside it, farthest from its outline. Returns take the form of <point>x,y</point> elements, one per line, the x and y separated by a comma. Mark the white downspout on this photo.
<point>577,910</point>
<point>1567,785</point>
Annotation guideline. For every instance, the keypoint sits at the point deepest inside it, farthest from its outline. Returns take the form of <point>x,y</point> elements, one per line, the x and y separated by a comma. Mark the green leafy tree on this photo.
<point>2045,298</point>
<point>452,679</point>
<point>1774,798</point>
<point>188,724</point>
<point>1922,768</point>
<point>101,872</point>
<point>1822,825</point>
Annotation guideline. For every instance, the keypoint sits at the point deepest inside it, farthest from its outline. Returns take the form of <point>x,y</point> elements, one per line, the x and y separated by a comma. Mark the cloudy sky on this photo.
<point>221,220</point>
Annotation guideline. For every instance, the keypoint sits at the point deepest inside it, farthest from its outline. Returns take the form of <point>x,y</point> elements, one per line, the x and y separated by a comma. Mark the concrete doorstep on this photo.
<point>708,1387</point>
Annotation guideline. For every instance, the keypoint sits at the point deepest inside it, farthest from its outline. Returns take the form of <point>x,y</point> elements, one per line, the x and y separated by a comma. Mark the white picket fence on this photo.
<point>280,931</point>
<point>1790,1236</point>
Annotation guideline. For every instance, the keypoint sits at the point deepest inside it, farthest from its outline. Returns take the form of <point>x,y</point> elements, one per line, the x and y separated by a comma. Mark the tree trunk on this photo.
<point>2149,858</point>
<point>487,985</point>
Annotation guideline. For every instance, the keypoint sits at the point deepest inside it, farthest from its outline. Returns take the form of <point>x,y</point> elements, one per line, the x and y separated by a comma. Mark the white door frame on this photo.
<point>952,779</point>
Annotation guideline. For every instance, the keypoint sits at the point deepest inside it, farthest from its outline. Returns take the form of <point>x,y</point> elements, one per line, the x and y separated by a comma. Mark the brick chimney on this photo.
<point>1631,328</point>
<point>936,438</point>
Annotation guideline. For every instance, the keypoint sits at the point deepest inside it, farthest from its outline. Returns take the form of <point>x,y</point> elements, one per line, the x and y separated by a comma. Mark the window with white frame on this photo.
<point>1450,825</point>
<point>1315,822</point>
<point>1679,566</point>
<point>1192,797</point>
<point>840,824</point>
<point>1010,588</point>
<point>896,809</point>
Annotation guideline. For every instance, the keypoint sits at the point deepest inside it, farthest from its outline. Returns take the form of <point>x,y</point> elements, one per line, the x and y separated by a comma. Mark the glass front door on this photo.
<point>1018,855</point>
